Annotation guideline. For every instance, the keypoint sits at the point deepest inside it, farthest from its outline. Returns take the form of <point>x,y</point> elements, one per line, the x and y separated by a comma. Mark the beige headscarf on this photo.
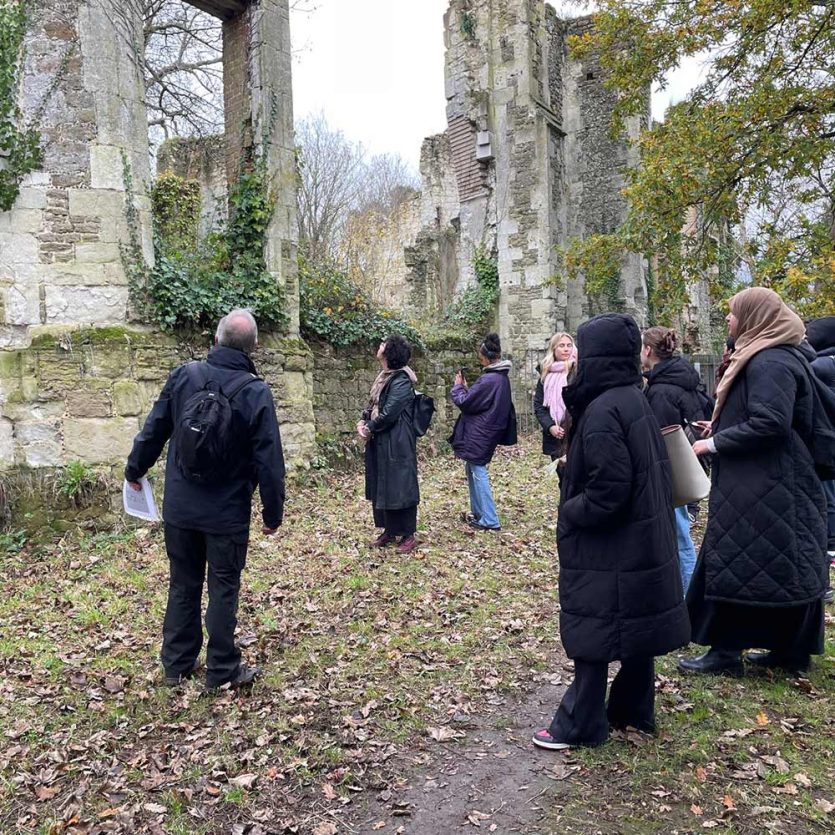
<point>763,321</point>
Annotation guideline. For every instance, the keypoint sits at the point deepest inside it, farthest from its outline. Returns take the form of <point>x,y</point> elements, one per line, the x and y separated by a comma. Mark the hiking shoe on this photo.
<point>175,680</point>
<point>245,676</point>
<point>772,660</point>
<point>542,739</point>
<point>407,544</point>
<point>467,517</point>
<point>477,526</point>
<point>382,540</point>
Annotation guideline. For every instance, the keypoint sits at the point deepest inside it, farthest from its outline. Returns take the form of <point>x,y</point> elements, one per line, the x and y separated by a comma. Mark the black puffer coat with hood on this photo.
<point>620,583</point>
<point>674,390</point>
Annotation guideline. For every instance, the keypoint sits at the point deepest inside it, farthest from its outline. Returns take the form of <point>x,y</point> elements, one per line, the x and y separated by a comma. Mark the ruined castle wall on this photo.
<point>596,168</point>
<point>203,160</point>
<point>59,245</point>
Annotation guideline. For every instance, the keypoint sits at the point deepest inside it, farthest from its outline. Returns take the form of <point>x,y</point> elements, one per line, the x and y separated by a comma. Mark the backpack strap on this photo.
<point>250,378</point>
<point>200,375</point>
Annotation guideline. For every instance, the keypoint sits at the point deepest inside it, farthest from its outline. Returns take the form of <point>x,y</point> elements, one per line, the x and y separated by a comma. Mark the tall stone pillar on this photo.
<point>258,101</point>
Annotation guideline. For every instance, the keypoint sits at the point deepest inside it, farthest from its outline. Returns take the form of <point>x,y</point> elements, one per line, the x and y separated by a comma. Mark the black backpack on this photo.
<point>423,408</point>
<point>202,437</point>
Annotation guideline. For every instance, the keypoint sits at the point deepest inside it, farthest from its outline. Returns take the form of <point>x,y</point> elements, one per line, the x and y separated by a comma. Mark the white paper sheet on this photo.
<point>140,503</point>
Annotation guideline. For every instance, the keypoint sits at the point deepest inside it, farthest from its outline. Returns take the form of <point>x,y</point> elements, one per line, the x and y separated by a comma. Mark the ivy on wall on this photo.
<point>468,316</point>
<point>335,309</point>
<point>193,285</point>
<point>175,203</point>
<point>20,146</point>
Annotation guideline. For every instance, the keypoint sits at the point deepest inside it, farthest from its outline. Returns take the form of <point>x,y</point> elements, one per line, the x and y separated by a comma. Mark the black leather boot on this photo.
<point>717,661</point>
<point>775,661</point>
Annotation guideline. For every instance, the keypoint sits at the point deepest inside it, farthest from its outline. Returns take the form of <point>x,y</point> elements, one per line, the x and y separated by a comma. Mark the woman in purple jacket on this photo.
<point>486,410</point>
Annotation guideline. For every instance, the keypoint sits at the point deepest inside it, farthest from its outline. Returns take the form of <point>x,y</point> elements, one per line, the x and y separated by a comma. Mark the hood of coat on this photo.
<point>498,367</point>
<point>675,371</point>
<point>821,333</point>
<point>609,349</point>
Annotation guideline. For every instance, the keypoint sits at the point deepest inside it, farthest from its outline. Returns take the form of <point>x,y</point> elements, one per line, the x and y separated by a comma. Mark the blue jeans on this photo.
<point>686,551</point>
<point>481,496</point>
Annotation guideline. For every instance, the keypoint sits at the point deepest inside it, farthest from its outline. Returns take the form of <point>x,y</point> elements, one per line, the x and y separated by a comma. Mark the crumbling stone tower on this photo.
<point>76,375</point>
<point>534,165</point>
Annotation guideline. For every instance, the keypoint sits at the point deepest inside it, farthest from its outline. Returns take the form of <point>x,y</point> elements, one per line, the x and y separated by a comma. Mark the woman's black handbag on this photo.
<point>511,432</point>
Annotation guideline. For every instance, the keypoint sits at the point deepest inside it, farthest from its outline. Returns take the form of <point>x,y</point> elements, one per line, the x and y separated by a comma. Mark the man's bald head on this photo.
<point>238,329</point>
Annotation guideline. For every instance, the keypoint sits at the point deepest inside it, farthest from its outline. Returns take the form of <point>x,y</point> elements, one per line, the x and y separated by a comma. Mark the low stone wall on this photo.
<point>82,394</point>
<point>342,379</point>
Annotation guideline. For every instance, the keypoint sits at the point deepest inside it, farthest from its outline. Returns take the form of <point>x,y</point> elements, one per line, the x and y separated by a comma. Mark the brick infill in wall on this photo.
<point>61,231</point>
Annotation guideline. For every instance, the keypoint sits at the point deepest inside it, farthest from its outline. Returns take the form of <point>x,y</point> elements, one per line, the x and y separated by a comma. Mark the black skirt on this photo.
<point>402,522</point>
<point>791,630</point>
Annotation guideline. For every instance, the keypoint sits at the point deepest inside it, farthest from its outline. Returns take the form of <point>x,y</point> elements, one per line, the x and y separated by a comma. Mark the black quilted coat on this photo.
<point>765,541</point>
<point>620,584</point>
<point>673,391</point>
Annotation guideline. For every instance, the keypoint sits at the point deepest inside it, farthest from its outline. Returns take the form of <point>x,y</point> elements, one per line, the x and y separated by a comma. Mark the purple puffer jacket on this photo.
<point>485,412</point>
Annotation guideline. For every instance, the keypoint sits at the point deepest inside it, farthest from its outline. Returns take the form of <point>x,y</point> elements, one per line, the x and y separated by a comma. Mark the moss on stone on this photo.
<point>64,338</point>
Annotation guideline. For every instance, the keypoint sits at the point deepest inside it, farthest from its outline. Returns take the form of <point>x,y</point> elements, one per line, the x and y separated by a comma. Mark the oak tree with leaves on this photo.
<point>750,149</point>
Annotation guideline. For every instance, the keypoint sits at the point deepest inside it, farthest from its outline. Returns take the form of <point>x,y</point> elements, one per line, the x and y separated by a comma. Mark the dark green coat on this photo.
<point>391,481</point>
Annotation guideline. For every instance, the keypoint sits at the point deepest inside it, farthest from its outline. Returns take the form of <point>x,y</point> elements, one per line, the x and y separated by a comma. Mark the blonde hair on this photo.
<point>550,357</point>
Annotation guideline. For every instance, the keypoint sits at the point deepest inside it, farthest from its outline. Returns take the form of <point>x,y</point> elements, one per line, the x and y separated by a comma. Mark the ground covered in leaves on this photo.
<point>399,693</point>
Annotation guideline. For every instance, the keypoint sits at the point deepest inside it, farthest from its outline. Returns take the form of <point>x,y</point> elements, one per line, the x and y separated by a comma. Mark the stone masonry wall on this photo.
<point>342,379</point>
<point>59,245</point>
<point>202,159</point>
<point>526,164</point>
<point>83,394</point>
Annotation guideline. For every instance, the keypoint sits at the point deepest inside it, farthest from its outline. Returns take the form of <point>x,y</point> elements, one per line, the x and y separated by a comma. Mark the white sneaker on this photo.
<point>542,739</point>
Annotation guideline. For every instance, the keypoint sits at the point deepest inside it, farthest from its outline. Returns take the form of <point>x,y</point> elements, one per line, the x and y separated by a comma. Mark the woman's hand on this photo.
<point>557,431</point>
<point>362,430</point>
<point>701,448</point>
<point>704,426</point>
<point>460,379</point>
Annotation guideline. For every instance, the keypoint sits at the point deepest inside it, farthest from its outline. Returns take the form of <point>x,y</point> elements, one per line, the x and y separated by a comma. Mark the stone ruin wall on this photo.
<point>76,374</point>
<point>202,160</point>
<point>526,164</point>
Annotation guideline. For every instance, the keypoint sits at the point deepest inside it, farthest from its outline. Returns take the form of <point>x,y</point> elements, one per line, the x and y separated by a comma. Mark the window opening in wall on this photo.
<point>184,90</point>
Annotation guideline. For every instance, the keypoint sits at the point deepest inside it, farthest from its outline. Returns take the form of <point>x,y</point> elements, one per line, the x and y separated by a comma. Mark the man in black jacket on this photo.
<point>207,522</point>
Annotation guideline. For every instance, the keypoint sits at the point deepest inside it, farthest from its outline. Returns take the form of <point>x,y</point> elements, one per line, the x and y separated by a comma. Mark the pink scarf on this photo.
<point>552,387</point>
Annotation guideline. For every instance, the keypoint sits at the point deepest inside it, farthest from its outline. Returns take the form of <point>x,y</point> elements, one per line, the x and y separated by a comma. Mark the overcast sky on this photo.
<point>376,69</point>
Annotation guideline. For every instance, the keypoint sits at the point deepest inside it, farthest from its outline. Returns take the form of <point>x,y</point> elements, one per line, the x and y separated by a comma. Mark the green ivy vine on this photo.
<point>175,203</point>
<point>20,146</point>
<point>193,284</point>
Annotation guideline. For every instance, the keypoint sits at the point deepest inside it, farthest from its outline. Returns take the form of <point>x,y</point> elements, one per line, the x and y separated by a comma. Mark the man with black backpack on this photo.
<point>224,441</point>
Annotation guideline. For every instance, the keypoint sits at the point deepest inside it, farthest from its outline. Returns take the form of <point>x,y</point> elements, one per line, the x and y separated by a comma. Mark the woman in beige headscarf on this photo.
<point>762,571</point>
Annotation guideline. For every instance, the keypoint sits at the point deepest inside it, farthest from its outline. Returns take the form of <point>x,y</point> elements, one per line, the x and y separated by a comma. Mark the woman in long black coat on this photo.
<point>762,568</point>
<point>620,588</point>
<point>391,481</point>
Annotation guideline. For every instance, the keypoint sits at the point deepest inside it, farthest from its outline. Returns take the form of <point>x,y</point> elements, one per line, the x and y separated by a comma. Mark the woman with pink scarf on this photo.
<point>548,403</point>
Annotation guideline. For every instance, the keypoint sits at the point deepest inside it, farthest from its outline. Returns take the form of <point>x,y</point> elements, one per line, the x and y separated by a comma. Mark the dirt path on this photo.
<point>491,778</point>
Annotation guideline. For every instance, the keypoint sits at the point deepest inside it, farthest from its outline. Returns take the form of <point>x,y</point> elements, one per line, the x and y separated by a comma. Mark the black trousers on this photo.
<point>189,553</point>
<point>401,522</point>
<point>583,717</point>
